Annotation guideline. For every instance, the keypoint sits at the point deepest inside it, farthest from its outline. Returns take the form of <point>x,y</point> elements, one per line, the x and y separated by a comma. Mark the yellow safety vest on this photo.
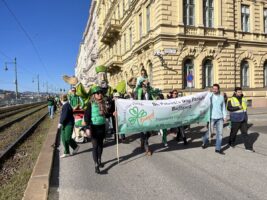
<point>235,103</point>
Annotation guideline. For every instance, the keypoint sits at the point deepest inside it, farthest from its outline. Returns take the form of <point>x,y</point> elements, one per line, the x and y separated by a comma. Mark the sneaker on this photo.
<point>219,152</point>
<point>250,150</point>
<point>204,146</point>
<point>64,155</point>
<point>76,150</point>
<point>165,145</point>
<point>97,170</point>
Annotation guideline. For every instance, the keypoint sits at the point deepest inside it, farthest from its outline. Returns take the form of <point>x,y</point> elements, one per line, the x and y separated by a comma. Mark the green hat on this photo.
<point>95,89</point>
<point>101,68</point>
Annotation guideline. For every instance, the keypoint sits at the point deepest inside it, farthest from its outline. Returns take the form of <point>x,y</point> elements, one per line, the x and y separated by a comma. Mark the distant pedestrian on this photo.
<point>50,102</point>
<point>237,105</point>
<point>66,125</point>
<point>95,119</point>
<point>218,117</point>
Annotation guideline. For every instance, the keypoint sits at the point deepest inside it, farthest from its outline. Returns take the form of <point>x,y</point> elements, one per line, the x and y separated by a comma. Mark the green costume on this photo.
<point>75,100</point>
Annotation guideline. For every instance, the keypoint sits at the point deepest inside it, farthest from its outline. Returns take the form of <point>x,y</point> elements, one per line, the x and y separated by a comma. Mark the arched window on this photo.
<point>207,74</point>
<point>188,71</point>
<point>245,74</point>
<point>265,74</point>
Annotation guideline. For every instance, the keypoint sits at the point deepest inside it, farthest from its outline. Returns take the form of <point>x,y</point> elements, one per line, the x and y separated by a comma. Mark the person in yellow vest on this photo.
<point>237,106</point>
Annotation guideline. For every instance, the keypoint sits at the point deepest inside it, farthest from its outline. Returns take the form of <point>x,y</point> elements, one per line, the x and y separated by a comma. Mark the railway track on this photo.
<point>8,123</point>
<point>17,109</point>
<point>11,147</point>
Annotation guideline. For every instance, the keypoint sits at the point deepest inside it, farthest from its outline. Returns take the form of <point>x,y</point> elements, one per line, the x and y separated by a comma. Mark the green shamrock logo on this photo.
<point>136,115</point>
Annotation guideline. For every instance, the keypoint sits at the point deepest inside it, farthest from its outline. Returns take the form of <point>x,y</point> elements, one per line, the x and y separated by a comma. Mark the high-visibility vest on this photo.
<point>236,103</point>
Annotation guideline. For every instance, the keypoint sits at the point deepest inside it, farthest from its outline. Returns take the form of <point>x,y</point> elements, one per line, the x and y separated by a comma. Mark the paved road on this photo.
<point>174,172</point>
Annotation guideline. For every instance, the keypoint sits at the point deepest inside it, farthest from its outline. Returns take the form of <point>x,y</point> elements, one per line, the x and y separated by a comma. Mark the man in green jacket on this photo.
<point>76,102</point>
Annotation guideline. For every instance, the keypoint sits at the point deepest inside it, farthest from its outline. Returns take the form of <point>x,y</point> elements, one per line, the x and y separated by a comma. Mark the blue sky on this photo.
<point>55,27</point>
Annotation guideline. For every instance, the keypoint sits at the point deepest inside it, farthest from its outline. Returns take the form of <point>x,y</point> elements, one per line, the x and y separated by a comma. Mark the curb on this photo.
<point>38,184</point>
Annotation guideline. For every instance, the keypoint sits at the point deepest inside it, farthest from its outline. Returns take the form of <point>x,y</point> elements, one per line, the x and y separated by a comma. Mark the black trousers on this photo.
<point>144,136</point>
<point>97,137</point>
<point>243,127</point>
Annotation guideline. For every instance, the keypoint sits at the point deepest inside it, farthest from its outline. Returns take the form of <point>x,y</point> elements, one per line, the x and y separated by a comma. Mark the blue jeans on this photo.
<point>51,111</point>
<point>218,123</point>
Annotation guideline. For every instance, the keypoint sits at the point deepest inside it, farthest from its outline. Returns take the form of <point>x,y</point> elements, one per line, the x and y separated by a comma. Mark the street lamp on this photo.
<point>16,74</point>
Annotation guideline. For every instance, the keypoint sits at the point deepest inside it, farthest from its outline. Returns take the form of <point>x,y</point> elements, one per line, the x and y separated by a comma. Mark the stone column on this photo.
<point>199,17</point>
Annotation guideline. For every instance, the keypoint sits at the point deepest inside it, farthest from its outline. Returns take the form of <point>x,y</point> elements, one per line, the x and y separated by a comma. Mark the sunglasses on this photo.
<point>175,93</point>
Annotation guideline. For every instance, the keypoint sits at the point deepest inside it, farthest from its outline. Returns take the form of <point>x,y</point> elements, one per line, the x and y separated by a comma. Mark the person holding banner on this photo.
<point>218,117</point>
<point>181,129</point>
<point>143,93</point>
<point>95,119</point>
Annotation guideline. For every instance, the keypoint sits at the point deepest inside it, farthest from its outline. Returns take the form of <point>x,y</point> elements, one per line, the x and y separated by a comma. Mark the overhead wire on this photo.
<point>29,38</point>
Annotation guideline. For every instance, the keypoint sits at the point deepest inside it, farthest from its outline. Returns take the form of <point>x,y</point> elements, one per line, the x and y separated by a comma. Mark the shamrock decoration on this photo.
<point>136,115</point>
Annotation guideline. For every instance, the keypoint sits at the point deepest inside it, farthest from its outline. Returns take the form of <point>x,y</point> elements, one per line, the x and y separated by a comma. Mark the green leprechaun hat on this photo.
<point>95,89</point>
<point>101,68</point>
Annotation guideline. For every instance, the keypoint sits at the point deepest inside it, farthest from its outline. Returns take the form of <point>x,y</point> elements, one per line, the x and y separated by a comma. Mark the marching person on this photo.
<point>50,102</point>
<point>218,117</point>
<point>143,93</point>
<point>95,119</point>
<point>66,125</point>
<point>237,105</point>
<point>76,102</point>
<point>181,129</point>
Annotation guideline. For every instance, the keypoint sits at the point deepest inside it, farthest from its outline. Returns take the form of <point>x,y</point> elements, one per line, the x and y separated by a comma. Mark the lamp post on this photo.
<point>16,74</point>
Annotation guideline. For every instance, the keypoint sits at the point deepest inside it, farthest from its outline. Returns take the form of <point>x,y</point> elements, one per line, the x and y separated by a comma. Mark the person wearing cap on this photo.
<point>76,102</point>
<point>144,93</point>
<point>66,124</point>
<point>237,106</point>
<point>95,119</point>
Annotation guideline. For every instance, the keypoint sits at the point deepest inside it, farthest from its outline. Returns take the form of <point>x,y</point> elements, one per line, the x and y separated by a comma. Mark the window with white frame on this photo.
<point>189,12</point>
<point>265,74</point>
<point>148,18</point>
<point>245,18</point>
<point>140,25</point>
<point>208,13</point>
<point>245,74</point>
<point>188,70</point>
<point>208,74</point>
<point>265,20</point>
<point>131,37</point>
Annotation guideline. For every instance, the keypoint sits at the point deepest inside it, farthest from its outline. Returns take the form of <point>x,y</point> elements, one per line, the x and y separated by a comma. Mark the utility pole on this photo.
<point>46,87</point>
<point>16,75</point>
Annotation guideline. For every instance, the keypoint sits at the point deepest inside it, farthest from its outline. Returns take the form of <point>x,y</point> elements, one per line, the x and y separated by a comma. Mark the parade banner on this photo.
<point>135,116</point>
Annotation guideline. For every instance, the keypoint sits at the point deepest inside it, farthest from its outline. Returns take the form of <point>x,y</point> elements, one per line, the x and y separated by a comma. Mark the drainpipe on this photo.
<point>236,43</point>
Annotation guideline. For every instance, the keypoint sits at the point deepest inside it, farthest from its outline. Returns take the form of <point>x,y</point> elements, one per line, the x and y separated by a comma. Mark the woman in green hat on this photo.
<point>95,119</point>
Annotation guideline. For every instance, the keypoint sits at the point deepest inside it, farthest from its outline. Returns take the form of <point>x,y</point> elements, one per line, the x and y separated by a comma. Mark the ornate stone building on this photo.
<point>86,60</point>
<point>217,41</point>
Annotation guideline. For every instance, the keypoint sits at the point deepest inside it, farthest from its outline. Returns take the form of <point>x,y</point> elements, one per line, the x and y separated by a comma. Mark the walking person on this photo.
<point>95,119</point>
<point>66,124</point>
<point>76,101</point>
<point>181,129</point>
<point>237,105</point>
<point>144,93</point>
<point>218,117</point>
<point>50,102</point>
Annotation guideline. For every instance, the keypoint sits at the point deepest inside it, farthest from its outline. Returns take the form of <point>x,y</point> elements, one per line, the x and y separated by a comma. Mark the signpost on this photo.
<point>190,79</point>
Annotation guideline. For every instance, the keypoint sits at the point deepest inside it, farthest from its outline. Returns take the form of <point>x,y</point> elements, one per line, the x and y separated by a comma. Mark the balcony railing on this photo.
<point>111,31</point>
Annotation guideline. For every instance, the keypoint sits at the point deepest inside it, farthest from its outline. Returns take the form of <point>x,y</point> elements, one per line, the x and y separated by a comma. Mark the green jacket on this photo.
<point>50,101</point>
<point>75,101</point>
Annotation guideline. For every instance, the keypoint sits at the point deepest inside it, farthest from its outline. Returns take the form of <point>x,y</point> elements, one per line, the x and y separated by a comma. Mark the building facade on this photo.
<point>217,41</point>
<point>87,56</point>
